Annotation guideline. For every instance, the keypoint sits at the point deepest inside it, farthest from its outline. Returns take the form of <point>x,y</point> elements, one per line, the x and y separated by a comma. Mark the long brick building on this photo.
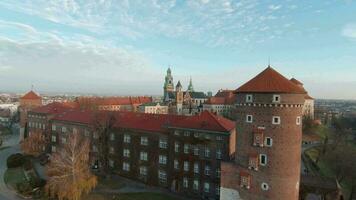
<point>180,153</point>
<point>268,150</point>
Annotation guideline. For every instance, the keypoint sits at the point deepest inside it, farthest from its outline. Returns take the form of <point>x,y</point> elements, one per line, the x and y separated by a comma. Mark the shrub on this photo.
<point>37,182</point>
<point>15,160</point>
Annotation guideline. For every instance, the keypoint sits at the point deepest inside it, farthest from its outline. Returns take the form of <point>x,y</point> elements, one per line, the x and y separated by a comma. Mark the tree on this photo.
<point>103,123</point>
<point>34,144</point>
<point>68,172</point>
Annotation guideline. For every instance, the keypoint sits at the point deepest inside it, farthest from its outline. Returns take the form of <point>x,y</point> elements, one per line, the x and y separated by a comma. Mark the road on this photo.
<point>305,147</point>
<point>13,143</point>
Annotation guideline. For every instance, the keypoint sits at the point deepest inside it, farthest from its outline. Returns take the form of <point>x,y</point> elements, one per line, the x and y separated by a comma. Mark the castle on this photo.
<point>181,102</point>
<point>268,144</point>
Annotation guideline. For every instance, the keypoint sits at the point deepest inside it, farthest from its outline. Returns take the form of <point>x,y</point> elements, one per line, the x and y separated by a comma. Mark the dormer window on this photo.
<point>245,180</point>
<point>258,138</point>
<point>249,98</point>
<point>276,98</point>
<point>253,162</point>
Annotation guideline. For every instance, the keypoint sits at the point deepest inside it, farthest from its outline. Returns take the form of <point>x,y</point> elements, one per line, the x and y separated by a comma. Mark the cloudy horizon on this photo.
<point>125,47</point>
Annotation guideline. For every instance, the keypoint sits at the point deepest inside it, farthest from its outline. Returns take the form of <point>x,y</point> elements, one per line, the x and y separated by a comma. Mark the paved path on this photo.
<point>14,147</point>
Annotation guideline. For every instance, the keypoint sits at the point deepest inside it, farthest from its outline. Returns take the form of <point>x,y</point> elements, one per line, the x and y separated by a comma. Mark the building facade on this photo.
<point>180,153</point>
<point>153,108</point>
<point>28,102</point>
<point>223,103</point>
<point>268,144</point>
<point>308,108</point>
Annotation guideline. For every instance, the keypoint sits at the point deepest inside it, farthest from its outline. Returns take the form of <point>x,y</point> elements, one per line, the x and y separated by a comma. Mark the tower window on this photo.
<point>249,98</point>
<point>276,98</point>
<point>249,118</point>
<point>263,159</point>
<point>264,186</point>
<point>276,120</point>
<point>268,141</point>
<point>298,121</point>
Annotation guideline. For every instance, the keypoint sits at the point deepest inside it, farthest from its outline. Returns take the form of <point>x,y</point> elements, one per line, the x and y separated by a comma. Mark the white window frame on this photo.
<point>186,148</point>
<point>54,138</point>
<point>176,164</point>
<point>186,166</point>
<point>274,98</point>
<point>112,136</point>
<point>163,143</point>
<point>266,143</point>
<point>185,182</point>
<point>176,147</point>
<point>276,117</point>
<point>249,98</point>
<point>126,166</point>
<point>111,163</point>
<point>206,187</point>
<point>207,170</point>
<point>298,120</point>
<point>162,159</point>
<point>143,170</point>
<point>196,168</point>
<point>126,153</point>
<point>218,154</point>
<point>53,127</point>
<point>144,140</point>
<point>247,118</point>
<point>196,184</point>
<point>127,138</point>
<point>264,186</point>
<point>266,159</point>
<point>143,156</point>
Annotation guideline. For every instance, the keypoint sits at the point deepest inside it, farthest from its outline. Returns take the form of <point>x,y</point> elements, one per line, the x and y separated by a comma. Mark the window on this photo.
<point>95,135</point>
<point>186,148</point>
<point>111,163</point>
<point>54,149</point>
<point>74,130</point>
<point>54,138</point>
<point>64,140</point>
<point>64,129</point>
<point>196,134</point>
<point>249,98</point>
<point>249,118</point>
<point>162,159</point>
<point>143,170</point>
<point>253,162</point>
<point>176,147</point>
<point>186,166</point>
<point>196,168</point>
<point>176,133</point>
<point>206,187</point>
<point>219,138</point>
<point>207,170</point>
<point>217,190</point>
<point>112,136</point>
<point>162,175</point>
<point>298,122</point>
<point>268,141</point>
<point>163,143</point>
<point>207,152</point>
<point>111,150</point>
<point>264,186</point>
<point>143,156</point>
<point>245,180</point>
<point>218,154</point>
<point>196,185</point>
<point>86,133</point>
<point>207,136</point>
<point>176,164</point>
<point>126,153</point>
<point>53,127</point>
<point>276,120</point>
<point>263,159</point>
<point>196,151</point>
<point>127,138</point>
<point>218,172</point>
<point>95,149</point>
<point>276,98</point>
<point>185,182</point>
<point>144,141</point>
<point>186,133</point>
<point>126,166</point>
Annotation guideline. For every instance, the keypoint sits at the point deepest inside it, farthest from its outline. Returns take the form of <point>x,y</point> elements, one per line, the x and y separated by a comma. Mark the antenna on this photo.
<point>32,87</point>
<point>269,61</point>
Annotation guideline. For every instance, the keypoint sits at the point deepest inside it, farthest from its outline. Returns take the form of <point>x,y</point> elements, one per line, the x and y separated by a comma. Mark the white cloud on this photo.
<point>349,31</point>
<point>274,7</point>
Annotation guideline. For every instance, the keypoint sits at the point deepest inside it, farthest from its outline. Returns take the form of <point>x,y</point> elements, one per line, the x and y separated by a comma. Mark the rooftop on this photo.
<point>270,81</point>
<point>31,95</point>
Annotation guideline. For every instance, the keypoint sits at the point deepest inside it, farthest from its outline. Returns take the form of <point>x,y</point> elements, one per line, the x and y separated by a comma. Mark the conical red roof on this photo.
<point>270,81</point>
<point>31,95</point>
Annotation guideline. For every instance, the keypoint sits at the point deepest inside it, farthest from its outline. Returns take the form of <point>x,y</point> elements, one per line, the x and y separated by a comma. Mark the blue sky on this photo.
<point>124,47</point>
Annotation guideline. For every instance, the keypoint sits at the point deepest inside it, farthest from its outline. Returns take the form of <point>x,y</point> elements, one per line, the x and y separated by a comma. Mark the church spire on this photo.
<point>190,86</point>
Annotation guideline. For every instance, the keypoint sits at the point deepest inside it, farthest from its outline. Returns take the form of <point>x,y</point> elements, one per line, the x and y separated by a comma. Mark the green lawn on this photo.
<point>14,176</point>
<point>130,196</point>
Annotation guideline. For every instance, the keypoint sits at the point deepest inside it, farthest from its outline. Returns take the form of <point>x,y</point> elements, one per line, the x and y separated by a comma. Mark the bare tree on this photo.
<point>34,144</point>
<point>68,172</point>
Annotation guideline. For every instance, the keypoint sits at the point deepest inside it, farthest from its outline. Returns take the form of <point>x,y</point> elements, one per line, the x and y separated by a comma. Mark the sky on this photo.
<point>124,47</point>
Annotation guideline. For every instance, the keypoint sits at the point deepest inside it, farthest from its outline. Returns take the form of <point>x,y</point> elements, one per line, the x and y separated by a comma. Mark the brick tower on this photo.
<point>268,146</point>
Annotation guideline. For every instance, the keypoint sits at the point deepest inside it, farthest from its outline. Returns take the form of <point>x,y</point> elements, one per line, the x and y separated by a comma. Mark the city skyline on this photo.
<point>125,47</point>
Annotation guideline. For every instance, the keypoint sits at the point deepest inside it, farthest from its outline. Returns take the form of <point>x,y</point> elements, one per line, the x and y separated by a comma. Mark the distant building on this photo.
<point>5,117</point>
<point>153,108</point>
<point>308,108</point>
<point>268,144</point>
<point>223,103</point>
<point>113,103</point>
<point>28,102</point>
<point>189,102</point>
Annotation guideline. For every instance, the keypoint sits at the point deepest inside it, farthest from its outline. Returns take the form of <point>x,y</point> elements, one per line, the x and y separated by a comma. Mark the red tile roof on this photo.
<point>114,100</point>
<point>295,81</point>
<point>223,97</point>
<point>31,95</point>
<point>270,81</point>
<point>150,122</point>
<point>53,108</point>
